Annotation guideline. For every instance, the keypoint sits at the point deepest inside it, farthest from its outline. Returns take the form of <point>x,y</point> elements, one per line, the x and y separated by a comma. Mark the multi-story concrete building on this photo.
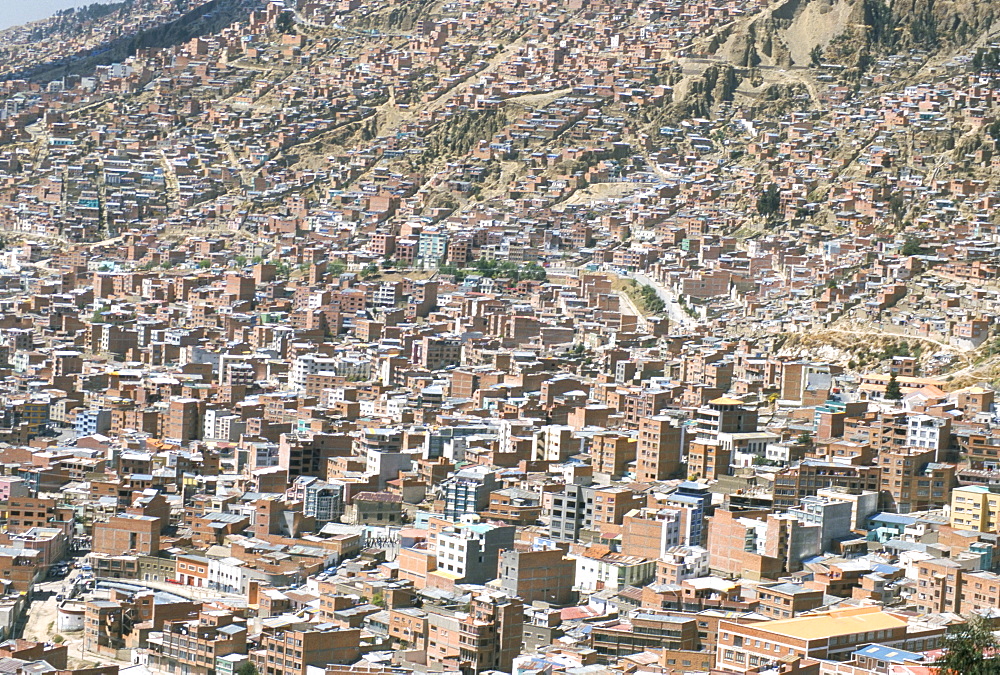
<point>642,631</point>
<point>680,563</point>
<point>469,553</point>
<point>661,444</point>
<point>975,508</point>
<point>650,532</point>
<point>833,635</point>
<point>606,570</point>
<point>490,637</point>
<point>128,534</point>
<point>468,491</point>
<point>183,421</point>
<point>833,517</point>
<point>192,646</point>
<point>571,511</point>
<point>293,647</point>
<point>785,600</point>
<point>913,479</point>
<point>323,501</point>
<point>375,508</point>
<point>543,575</point>
<point>92,421</point>
<point>759,544</point>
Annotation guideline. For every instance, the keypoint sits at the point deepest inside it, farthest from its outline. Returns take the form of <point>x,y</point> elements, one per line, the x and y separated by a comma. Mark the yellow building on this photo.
<point>834,635</point>
<point>974,507</point>
<point>34,413</point>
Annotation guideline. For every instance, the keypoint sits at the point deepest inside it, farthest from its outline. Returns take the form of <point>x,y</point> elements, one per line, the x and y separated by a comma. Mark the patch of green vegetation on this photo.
<point>497,269</point>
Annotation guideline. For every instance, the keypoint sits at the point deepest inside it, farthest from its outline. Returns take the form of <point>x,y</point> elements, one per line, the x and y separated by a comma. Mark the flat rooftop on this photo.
<point>837,622</point>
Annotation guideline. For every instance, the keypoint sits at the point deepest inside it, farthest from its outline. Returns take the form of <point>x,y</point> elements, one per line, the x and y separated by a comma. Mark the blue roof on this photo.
<point>885,569</point>
<point>692,485</point>
<point>889,654</point>
<point>684,499</point>
<point>896,518</point>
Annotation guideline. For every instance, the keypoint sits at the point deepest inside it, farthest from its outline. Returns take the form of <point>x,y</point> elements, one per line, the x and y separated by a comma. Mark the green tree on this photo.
<point>892,391</point>
<point>816,56</point>
<point>337,267</point>
<point>972,650</point>
<point>248,668</point>
<point>285,23</point>
<point>911,246</point>
<point>769,202</point>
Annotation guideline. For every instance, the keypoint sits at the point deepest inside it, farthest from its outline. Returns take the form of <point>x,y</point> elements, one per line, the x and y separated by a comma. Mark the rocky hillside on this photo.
<point>852,33</point>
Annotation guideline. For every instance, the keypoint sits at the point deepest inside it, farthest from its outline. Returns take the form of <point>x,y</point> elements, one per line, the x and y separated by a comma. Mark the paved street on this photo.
<point>675,312</point>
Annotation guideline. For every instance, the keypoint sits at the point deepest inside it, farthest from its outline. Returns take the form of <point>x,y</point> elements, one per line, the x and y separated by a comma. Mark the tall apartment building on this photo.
<point>913,480</point>
<point>183,421</point>
<point>490,638</point>
<point>975,508</point>
<point>939,585</point>
<point>981,592</point>
<point>612,503</point>
<point>834,518</point>
<point>22,513</point>
<point>981,447</point>
<point>468,491</point>
<point>708,459</point>
<point>92,421</point>
<point>554,443</point>
<point>680,563</point>
<point>323,501</point>
<point>724,415</point>
<point>661,444</point>
<point>308,365</point>
<point>695,500</point>
<point>291,649</point>
<point>468,553</point>
<point>437,352</point>
<point>543,575</point>
<point>571,511</point>
<point>759,544</point>
<point>810,476</point>
<point>191,647</point>
<point>650,532</point>
<point>485,638</point>
<point>384,454</point>
<point>611,452</point>
<point>928,432</point>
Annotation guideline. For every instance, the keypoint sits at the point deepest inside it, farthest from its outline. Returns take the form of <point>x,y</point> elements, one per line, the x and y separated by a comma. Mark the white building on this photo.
<point>306,365</point>
<point>612,571</point>
<point>226,574</point>
<point>928,432</point>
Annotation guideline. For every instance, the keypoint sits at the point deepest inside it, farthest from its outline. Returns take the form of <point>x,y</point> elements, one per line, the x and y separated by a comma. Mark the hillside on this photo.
<point>860,133</point>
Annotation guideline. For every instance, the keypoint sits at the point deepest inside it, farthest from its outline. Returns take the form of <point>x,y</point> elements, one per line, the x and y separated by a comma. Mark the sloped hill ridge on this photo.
<point>853,32</point>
